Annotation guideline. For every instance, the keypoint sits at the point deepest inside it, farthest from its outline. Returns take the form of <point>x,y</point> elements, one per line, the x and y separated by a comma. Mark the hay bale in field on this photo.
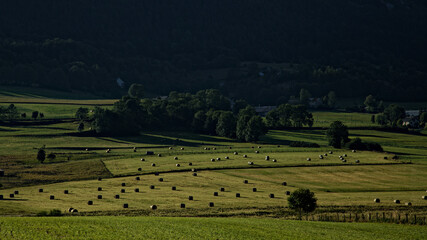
<point>137,178</point>
<point>178,165</point>
<point>271,195</point>
<point>245,156</point>
<point>99,196</point>
<point>159,155</point>
<point>136,189</point>
<point>353,151</point>
<point>108,150</point>
<point>160,179</point>
<point>222,189</point>
<point>357,161</point>
<point>424,197</point>
<point>70,209</point>
<point>87,149</point>
<point>182,205</point>
<point>274,160</point>
<point>74,211</point>
<point>320,156</point>
<point>182,148</point>
<point>245,181</point>
<point>99,189</point>
<point>230,148</point>
<point>227,157</point>
<point>396,201</point>
<point>325,154</point>
<point>175,158</point>
<point>254,189</point>
<point>212,160</point>
<point>408,204</point>
<point>237,194</point>
<point>194,170</point>
<point>123,184</point>
<point>150,153</point>
<point>16,192</point>
<point>267,158</point>
<point>214,148</point>
<point>377,200</point>
<point>117,196</point>
<point>205,148</point>
<point>259,146</point>
<point>152,187</point>
<point>195,174</point>
<point>99,179</point>
<point>170,148</point>
<point>288,193</point>
<point>1,197</point>
<point>251,163</point>
<point>125,205</point>
<point>190,198</point>
<point>1,173</point>
<point>51,197</point>
<point>173,188</point>
<point>65,191</point>
<point>256,151</point>
<point>218,159</point>
<point>153,207</point>
<point>215,194</point>
<point>211,204</point>
<point>284,183</point>
<point>235,153</point>
<point>345,155</point>
<point>330,152</point>
<point>134,150</point>
<point>252,147</point>
<point>123,190</point>
<point>344,160</point>
<point>89,202</point>
<point>139,169</point>
<point>41,190</point>
<point>385,158</point>
<point>153,164</point>
<point>308,159</point>
<point>142,159</point>
<point>190,164</point>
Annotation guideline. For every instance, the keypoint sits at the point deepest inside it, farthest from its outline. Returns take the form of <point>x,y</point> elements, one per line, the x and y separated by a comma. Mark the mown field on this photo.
<point>198,228</point>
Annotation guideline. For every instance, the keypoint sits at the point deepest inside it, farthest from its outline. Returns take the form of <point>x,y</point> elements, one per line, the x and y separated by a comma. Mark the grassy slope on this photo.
<point>198,228</point>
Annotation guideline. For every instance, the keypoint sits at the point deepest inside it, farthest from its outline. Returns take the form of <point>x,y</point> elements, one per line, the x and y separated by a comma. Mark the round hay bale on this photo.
<point>125,205</point>
<point>288,193</point>
<point>99,179</point>
<point>212,160</point>
<point>211,204</point>
<point>227,157</point>
<point>340,157</point>
<point>153,207</point>
<point>142,159</point>
<point>156,174</point>
<point>205,148</point>
<point>215,194</point>
<point>218,159</point>
<point>159,155</point>
<point>245,156</point>
<point>137,178</point>
<point>139,169</point>
<point>267,158</point>
<point>108,150</point>
<point>123,184</point>
<point>274,160</point>
<point>182,205</point>
<point>252,147</point>
<point>222,189</point>
<point>65,191</point>
<point>245,181</point>
<point>345,155</point>
<point>190,164</point>
<point>182,148</point>
<point>153,164</point>
<point>344,160</point>
<point>99,196</point>
<point>396,201</point>
<point>235,153</point>
<point>178,165</point>
<point>230,147</point>
<point>117,196</point>
<point>256,151</point>
<point>284,183</point>
<point>1,197</point>
<point>259,146</point>
<point>11,195</point>
<point>424,197</point>
<point>251,163</point>
<point>271,195</point>
<point>74,211</point>
<point>16,192</point>
<point>175,158</point>
<point>52,197</point>
<point>308,159</point>
<point>320,156</point>
<point>237,194</point>
<point>376,200</point>
<point>160,179</point>
<point>330,152</point>
<point>353,151</point>
<point>41,190</point>
<point>214,148</point>
<point>194,170</point>
<point>408,204</point>
<point>190,198</point>
<point>99,189</point>
<point>134,150</point>
<point>357,161</point>
<point>136,189</point>
<point>152,187</point>
<point>89,202</point>
<point>195,174</point>
<point>173,188</point>
<point>87,149</point>
<point>70,209</point>
<point>325,154</point>
<point>123,190</point>
<point>385,158</point>
<point>170,148</point>
<point>254,189</point>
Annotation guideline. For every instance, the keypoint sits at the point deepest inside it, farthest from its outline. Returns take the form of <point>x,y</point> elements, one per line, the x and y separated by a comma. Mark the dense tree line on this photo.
<point>351,47</point>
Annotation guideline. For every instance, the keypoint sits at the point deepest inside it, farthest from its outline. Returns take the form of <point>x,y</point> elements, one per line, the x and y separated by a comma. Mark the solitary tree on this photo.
<point>82,113</point>
<point>41,155</point>
<point>371,103</point>
<point>337,134</point>
<point>302,200</point>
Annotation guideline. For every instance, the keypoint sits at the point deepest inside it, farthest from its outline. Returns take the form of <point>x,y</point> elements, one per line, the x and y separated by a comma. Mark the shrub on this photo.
<point>304,144</point>
<point>358,144</point>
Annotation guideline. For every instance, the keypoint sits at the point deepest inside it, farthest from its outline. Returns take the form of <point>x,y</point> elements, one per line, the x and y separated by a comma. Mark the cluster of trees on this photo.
<point>391,116</point>
<point>191,45</point>
<point>328,101</point>
<point>372,105</point>
<point>286,115</point>
<point>9,113</point>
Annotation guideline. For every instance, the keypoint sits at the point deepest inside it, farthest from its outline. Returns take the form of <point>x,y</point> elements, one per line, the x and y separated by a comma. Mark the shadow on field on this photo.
<point>368,135</point>
<point>167,140</point>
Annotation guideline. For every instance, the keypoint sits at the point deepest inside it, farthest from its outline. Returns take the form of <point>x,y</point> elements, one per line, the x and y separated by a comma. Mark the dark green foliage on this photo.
<point>226,126</point>
<point>304,144</point>
<point>337,134</point>
<point>423,119</point>
<point>358,144</point>
<point>238,105</point>
<point>304,96</point>
<point>81,127</point>
<point>287,115</point>
<point>9,113</point>
<point>302,200</point>
<point>41,155</point>
<point>51,213</point>
<point>393,114</point>
<point>34,115</point>
<point>371,103</point>
<point>136,91</point>
<point>381,119</point>
<point>82,113</point>
<point>249,126</point>
<point>373,119</point>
